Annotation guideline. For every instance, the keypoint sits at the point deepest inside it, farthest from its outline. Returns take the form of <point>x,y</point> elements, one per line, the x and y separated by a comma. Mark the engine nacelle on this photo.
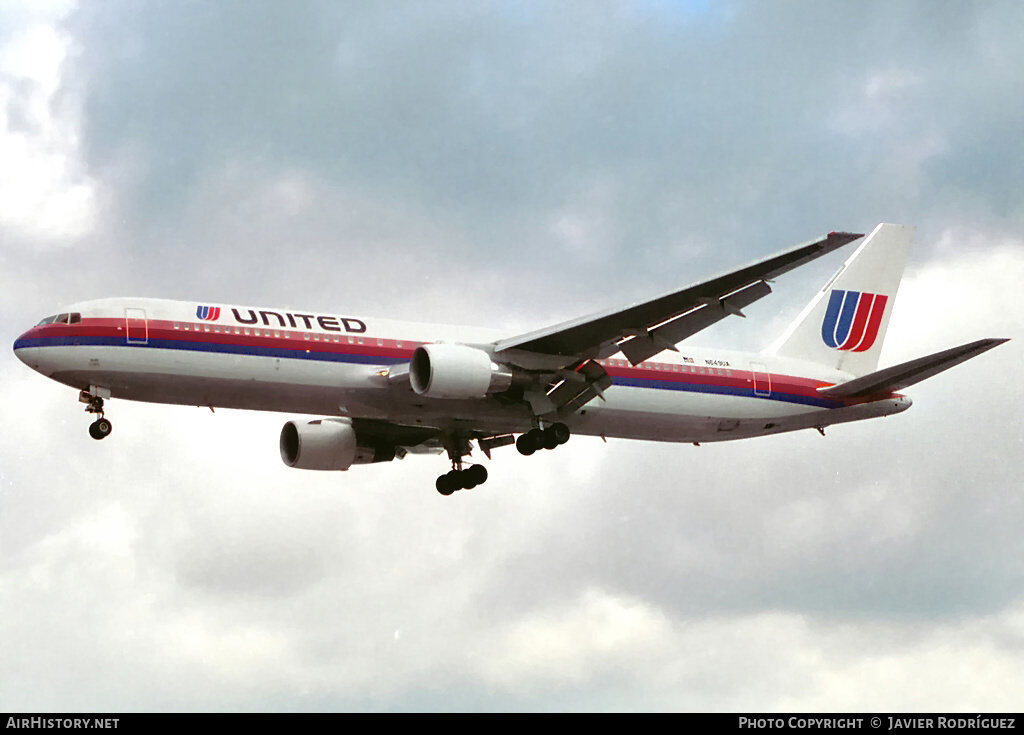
<point>328,444</point>
<point>441,370</point>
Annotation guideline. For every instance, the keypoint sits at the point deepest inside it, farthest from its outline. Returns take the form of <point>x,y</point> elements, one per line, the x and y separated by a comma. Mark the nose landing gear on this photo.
<point>101,427</point>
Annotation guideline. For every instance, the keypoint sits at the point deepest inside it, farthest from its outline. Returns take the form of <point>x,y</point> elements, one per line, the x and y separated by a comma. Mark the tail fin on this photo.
<point>844,325</point>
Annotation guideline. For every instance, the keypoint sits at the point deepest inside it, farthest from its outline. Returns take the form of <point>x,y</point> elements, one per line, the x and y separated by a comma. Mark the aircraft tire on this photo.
<point>560,431</point>
<point>477,474</point>
<point>525,444</point>
<point>444,485</point>
<point>100,429</point>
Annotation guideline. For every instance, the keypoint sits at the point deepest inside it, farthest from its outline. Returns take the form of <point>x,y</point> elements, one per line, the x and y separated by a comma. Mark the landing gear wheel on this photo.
<point>100,428</point>
<point>548,440</point>
<point>444,485</point>
<point>525,444</point>
<point>477,475</point>
<point>560,432</point>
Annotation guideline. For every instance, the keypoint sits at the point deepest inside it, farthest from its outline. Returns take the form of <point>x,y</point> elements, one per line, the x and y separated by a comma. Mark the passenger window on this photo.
<point>380,343</point>
<point>177,325</point>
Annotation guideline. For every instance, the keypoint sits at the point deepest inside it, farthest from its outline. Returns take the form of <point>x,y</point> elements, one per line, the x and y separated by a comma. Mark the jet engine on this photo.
<point>328,444</point>
<point>441,370</point>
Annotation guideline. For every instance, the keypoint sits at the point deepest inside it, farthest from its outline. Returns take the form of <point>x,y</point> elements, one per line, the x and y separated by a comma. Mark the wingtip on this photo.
<point>846,235</point>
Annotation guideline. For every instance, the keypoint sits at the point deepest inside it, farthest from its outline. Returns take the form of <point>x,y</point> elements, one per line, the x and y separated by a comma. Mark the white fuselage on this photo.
<point>164,351</point>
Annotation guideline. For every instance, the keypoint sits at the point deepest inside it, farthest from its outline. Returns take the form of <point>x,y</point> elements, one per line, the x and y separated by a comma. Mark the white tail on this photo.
<point>844,325</point>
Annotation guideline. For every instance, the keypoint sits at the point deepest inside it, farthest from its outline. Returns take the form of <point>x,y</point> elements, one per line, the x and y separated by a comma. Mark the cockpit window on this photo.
<point>72,318</point>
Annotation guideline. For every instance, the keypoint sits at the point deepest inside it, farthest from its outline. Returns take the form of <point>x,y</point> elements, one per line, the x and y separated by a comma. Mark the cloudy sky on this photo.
<point>512,164</point>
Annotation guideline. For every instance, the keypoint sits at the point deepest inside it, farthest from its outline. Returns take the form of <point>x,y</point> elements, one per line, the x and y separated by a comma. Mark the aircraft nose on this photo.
<point>20,345</point>
<point>25,349</point>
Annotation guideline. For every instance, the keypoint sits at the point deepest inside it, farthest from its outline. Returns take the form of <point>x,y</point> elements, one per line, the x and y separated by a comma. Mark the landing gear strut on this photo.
<point>548,438</point>
<point>101,427</point>
<point>459,478</point>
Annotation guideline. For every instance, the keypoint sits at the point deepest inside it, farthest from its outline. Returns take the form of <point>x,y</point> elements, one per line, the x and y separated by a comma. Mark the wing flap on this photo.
<point>579,386</point>
<point>884,382</point>
<point>668,335</point>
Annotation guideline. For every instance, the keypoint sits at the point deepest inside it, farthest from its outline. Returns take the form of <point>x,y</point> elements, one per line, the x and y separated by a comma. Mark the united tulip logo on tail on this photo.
<point>208,313</point>
<point>852,320</point>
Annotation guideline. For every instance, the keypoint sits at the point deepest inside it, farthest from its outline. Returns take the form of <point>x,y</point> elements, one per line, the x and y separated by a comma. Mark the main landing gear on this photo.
<point>460,478</point>
<point>101,427</point>
<point>547,438</point>
<point>458,447</point>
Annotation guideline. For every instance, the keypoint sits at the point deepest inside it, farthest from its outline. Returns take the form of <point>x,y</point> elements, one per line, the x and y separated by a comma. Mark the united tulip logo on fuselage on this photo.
<point>208,313</point>
<point>852,320</point>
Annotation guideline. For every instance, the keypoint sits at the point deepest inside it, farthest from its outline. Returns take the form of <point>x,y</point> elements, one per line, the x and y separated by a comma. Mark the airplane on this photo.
<point>385,389</point>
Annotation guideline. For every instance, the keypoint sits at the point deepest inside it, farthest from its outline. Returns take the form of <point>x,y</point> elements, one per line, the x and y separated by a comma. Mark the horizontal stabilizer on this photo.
<point>884,382</point>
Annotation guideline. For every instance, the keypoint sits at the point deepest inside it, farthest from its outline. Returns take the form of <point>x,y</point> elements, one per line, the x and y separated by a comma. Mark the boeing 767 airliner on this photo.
<point>388,388</point>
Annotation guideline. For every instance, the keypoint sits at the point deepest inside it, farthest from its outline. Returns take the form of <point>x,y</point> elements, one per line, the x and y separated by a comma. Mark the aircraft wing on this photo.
<point>644,329</point>
<point>884,382</point>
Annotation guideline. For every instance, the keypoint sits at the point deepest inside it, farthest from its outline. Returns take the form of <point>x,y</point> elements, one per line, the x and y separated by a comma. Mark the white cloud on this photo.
<point>597,633</point>
<point>971,292</point>
<point>45,191</point>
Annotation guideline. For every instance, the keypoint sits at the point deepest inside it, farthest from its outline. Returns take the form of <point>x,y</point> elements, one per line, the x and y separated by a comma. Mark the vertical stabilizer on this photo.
<point>844,325</point>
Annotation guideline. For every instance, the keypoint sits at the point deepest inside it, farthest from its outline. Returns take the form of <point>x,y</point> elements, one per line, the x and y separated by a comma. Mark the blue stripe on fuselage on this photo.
<point>723,390</point>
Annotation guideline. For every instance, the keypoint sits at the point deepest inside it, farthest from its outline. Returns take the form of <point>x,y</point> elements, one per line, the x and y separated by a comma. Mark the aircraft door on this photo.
<point>762,379</point>
<point>136,326</point>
